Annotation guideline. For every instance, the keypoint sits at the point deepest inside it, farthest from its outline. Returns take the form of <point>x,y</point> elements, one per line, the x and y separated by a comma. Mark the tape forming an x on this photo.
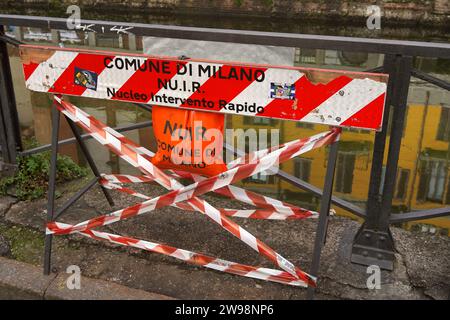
<point>187,198</point>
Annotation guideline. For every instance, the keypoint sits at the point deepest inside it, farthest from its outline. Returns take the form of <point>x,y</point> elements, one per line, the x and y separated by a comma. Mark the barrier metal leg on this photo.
<point>325,203</point>
<point>51,188</point>
<point>52,181</point>
<point>88,157</point>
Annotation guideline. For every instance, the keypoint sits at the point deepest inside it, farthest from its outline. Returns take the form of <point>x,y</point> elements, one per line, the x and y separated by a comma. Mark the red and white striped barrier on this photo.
<point>139,157</point>
<point>331,97</point>
<point>336,98</point>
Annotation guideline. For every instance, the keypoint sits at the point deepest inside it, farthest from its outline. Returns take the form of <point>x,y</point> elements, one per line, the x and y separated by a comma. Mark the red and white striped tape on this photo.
<point>213,183</point>
<point>254,199</point>
<point>138,157</point>
<point>271,211</point>
<point>350,99</point>
<point>199,259</point>
<point>230,191</point>
<point>250,197</point>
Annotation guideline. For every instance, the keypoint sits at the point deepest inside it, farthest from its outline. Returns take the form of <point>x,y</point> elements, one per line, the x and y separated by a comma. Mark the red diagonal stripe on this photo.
<point>200,259</point>
<point>164,249</point>
<point>96,222</point>
<point>225,192</point>
<point>166,199</point>
<point>28,69</point>
<point>266,251</point>
<point>91,62</point>
<point>244,172</point>
<point>309,96</point>
<point>130,211</point>
<point>215,88</point>
<point>326,140</point>
<point>124,240</point>
<point>240,269</point>
<point>258,200</point>
<point>205,186</point>
<point>261,214</point>
<point>148,80</point>
<point>286,277</point>
<point>198,203</point>
<point>287,154</point>
<point>369,116</point>
<point>231,227</point>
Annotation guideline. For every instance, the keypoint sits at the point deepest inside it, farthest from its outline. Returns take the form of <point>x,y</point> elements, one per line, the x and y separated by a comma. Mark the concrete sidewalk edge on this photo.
<point>20,280</point>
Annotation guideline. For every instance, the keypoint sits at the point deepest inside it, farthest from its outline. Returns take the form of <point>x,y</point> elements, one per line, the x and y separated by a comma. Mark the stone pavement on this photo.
<point>19,280</point>
<point>421,269</point>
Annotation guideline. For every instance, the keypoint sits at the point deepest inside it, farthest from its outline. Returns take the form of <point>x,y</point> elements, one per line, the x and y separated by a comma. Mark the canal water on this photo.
<point>423,179</point>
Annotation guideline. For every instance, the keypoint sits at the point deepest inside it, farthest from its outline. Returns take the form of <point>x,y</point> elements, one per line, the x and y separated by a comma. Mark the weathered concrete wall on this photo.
<point>394,11</point>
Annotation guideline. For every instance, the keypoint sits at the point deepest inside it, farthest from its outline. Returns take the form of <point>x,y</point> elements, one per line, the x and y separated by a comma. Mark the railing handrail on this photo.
<point>386,46</point>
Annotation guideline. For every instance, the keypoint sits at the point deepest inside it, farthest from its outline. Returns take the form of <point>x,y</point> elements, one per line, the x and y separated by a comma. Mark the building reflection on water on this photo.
<point>423,179</point>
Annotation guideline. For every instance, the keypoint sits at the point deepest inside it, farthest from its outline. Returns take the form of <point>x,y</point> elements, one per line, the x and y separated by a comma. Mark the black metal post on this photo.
<point>373,243</point>
<point>51,188</point>
<point>6,156</point>
<point>9,127</point>
<point>400,106</point>
<point>88,156</point>
<point>374,197</point>
<point>324,214</point>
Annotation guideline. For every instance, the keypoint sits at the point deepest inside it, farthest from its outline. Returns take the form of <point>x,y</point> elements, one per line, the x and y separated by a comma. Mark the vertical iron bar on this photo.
<point>51,187</point>
<point>88,157</point>
<point>6,157</point>
<point>324,214</point>
<point>9,108</point>
<point>7,139</point>
<point>373,243</point>
<point>402,87</point>
<point>374,197</point>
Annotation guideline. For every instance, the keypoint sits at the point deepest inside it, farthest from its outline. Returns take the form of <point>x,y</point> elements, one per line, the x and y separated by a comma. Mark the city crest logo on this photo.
<point>282,91</point>
<point>86,78</point>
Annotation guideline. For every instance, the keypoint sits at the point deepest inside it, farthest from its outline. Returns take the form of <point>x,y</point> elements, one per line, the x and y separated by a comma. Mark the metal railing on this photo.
<point>373,243</point>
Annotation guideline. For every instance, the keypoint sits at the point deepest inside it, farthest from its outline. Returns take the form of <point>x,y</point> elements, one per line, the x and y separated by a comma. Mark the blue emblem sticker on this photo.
<point>282,91</point>
<point>86,78</point>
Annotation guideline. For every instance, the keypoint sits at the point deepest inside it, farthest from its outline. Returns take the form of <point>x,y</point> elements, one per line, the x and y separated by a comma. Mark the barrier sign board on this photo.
<point>337,98</point>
